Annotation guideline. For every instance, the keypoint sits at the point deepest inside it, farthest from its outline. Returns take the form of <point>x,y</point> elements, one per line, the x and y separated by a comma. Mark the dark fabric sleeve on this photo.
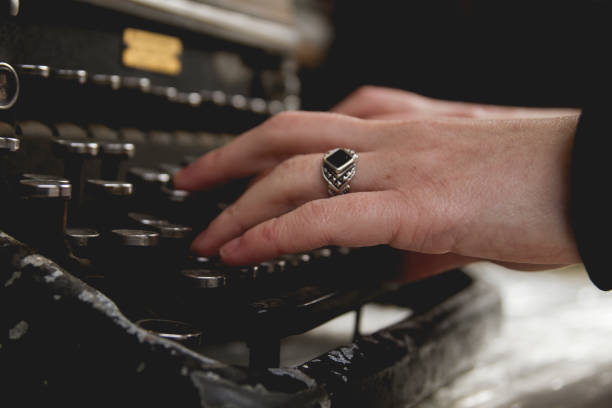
<point>590,195</point>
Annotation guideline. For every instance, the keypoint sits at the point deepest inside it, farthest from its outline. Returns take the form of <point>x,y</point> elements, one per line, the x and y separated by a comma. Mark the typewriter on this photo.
<point>102,303</point>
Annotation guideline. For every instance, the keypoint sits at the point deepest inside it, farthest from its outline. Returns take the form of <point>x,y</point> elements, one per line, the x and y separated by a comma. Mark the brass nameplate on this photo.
<point>152,52</point>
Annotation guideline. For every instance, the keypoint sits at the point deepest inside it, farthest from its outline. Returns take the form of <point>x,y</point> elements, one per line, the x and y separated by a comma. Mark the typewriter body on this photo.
<point>101,102</point>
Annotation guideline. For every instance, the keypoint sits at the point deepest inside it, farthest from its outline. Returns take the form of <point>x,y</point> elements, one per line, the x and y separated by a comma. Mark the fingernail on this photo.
<point>230,247</point>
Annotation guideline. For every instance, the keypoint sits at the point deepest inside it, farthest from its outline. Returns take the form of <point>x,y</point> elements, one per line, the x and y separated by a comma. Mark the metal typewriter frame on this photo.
<point>73,344</point>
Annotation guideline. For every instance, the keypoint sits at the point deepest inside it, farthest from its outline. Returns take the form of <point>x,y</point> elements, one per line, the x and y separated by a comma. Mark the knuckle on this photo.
<point>295,163</point>
<point>366,91</point>
<point>269,233</point>
<point>283,119</point>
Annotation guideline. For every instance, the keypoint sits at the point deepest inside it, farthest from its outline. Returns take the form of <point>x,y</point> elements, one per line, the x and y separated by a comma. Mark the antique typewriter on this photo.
<point>101,102</point>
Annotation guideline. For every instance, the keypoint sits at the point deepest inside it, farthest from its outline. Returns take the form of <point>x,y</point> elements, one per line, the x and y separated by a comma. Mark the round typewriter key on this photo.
<point>75,153</point>
<point>113,155</point>
<point>173,231</point>
<point>142,219</point>
<point>106,203</point>
<point>42,212</point>
<point>65,147</point>
<point>77,75</point>
<point>82,241</point>
<point>42,71</point>
<point>267,268</point>
<point>174,241</point>
<point>9,86</point>
<point>322,253</point>
<point>9,144</point>
<point>109,188</point>
<point>81,237</point>
<point>243,273</point>
<point>136,238</point>
<point>33,188</point>
<point>153,176</point>
<point>204,278</point>
<point>180,332</point>
<point>177,205</point>
<point>280,265</point>
<point>45,177</point>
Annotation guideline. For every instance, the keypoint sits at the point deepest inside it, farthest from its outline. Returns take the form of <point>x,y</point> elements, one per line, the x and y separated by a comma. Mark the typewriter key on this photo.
<point>267,268</point>
<point>9,86</point>
<point>128,256</point>
<point>147,183</point>
<point>169,168</point>
<point>113,155</point>
<point>204,278</point>
<point>142,175</point>
<point>9,144</point>
<point>43,211</point>
<point>180,332</point>
<point>136,238</point>
<point>142,220</point>
<point>75,153</point>
<point>106,202</point>
<point>106,188</point>
<point>82,241</point>
<point>44,177</point>
<point>174,241</point>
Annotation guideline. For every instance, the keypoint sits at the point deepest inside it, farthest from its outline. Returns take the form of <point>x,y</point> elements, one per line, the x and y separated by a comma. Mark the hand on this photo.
<point>372,102</point>
<point>450,190</point>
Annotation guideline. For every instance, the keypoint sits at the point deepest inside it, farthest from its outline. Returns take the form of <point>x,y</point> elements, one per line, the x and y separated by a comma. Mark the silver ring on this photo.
<point>338,169</point>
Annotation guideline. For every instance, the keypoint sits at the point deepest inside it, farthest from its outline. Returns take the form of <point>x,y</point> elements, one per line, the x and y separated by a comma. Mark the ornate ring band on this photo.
<point>338,169</point>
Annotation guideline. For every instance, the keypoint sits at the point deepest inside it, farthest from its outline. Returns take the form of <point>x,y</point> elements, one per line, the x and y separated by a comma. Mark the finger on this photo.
<point>282,136</point>
<point>370,101</point>
<point>354,219</point>
<point>291,184</point>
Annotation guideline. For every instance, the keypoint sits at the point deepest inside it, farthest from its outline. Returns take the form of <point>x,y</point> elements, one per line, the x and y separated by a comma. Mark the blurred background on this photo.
<point>529,53</point>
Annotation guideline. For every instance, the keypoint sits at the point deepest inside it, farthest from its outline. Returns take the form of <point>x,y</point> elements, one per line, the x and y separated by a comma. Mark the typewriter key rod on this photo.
<point>43,212</point>
<point>75,153</point>
<point>82,241</point>
<point>113,155</point>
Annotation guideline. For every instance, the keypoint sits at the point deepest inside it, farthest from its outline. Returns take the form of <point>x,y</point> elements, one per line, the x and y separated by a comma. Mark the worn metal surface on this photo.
<point>65,343</point>
<point>553,350</point>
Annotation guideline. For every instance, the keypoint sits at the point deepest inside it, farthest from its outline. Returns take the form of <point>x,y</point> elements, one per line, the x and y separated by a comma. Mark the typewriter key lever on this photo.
<point>82,241</point>
<point>106,202</point>
<point>75,153</point>
<point>7,145</point>
<point>113,155</point>
<point>43,211</point>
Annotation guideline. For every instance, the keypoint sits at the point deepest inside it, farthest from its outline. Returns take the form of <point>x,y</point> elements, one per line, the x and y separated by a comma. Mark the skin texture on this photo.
<point>448,182</point>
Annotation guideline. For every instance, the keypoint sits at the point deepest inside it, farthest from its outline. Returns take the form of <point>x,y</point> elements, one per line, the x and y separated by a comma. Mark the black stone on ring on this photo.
<point>338,169</point>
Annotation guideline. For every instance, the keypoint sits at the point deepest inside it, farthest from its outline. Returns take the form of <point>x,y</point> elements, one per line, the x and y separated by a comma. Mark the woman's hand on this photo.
<point>448,189</point>
<point>372,102</point>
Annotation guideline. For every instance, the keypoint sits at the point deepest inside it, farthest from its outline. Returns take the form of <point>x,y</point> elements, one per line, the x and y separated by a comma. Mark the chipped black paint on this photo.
<point>80,350</point>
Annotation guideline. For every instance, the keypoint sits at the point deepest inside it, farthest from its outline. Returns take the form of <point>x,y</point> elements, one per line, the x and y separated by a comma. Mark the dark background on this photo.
<point>529,53</point>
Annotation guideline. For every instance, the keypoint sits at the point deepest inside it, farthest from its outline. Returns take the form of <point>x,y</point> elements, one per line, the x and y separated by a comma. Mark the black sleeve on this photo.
<point>590,195</point>
<point>591,167</point>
